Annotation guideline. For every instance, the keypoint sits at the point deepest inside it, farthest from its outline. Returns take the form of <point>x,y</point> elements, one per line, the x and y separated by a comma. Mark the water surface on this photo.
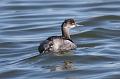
<point>26,23</point>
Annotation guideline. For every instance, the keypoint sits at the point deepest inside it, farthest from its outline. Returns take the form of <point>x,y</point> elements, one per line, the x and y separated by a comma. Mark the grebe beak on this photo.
<point>79,25</point>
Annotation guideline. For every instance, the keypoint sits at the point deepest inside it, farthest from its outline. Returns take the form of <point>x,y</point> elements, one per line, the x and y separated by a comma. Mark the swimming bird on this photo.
<point>59,43</point>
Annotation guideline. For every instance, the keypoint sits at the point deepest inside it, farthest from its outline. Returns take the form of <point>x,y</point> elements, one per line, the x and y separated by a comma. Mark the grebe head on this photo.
<point>69,23</point>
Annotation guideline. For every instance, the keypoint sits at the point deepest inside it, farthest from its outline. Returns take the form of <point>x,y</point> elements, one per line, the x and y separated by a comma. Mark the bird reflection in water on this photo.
<point>67,65</point>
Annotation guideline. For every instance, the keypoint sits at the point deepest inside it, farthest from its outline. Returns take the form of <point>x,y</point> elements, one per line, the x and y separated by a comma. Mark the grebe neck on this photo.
<point>65,32</point>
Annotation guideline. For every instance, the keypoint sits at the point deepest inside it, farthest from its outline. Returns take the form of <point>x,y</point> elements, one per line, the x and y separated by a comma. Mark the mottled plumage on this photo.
<point>59,43</point>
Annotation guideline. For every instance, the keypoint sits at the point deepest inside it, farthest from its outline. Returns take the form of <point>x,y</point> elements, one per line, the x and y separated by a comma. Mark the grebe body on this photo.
<point>59,43</point>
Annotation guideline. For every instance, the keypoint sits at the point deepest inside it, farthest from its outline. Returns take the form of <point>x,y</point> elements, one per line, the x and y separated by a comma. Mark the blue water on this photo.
<point>24,24</point>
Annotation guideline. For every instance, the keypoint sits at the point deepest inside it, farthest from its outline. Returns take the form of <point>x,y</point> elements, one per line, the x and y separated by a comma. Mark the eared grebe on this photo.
<point>59,43</point>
